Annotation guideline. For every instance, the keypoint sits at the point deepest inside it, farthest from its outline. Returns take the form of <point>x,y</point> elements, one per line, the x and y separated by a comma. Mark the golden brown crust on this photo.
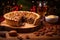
<point>16,16</point>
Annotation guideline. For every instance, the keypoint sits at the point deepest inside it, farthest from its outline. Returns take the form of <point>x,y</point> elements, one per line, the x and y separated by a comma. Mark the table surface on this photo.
<point>34,35</point>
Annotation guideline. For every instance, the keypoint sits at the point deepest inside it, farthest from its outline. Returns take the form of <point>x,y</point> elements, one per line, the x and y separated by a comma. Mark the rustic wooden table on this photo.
<point>47,32</point>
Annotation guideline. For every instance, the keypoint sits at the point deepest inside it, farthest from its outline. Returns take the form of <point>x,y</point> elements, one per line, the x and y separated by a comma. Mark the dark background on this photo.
<point>28,3</point>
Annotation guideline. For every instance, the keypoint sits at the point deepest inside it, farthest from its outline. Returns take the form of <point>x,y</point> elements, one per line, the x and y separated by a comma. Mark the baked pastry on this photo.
<point>13,33</point>
<point>17,18</point>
